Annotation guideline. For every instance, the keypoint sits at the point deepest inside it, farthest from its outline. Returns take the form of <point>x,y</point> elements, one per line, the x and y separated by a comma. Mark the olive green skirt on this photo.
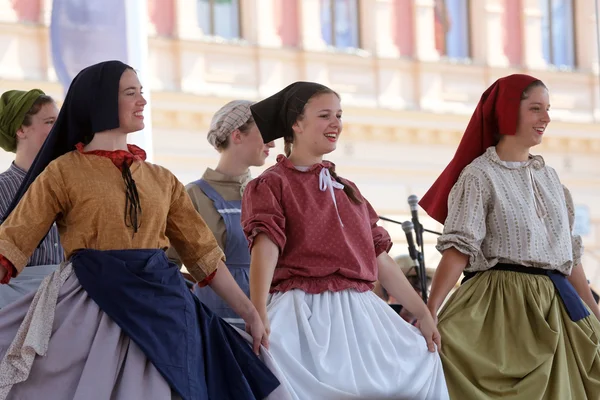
<point>507,335</point>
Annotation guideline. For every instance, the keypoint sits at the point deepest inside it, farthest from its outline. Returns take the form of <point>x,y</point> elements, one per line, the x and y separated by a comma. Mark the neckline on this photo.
<point>535,161</point>
<point>285,162</point>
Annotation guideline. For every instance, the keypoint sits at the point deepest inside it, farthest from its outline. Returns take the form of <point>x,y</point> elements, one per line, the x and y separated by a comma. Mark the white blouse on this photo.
<point>511,212</point>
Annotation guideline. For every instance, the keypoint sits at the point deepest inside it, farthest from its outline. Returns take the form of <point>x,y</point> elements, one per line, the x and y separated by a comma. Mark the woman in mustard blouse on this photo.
<point>116,320</point>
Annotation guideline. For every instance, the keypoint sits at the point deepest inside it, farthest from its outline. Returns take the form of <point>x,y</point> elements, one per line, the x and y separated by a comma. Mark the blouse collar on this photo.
<point>535,161</point>
<point>118,157</point>
<point>216,176</point>
<point>285,162</point>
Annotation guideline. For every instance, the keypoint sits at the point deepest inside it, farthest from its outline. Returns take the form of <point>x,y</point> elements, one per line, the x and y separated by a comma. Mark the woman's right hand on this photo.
<point>430,332</point>
<point>265,319</point>
<point>256,329</point>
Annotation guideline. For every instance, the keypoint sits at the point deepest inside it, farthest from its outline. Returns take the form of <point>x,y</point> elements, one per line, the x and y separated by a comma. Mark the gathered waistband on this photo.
<point>567,293</point>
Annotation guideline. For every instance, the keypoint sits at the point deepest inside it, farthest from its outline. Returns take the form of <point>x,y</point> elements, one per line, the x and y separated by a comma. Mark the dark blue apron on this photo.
<point>199,355</point>
<point>237,255</point>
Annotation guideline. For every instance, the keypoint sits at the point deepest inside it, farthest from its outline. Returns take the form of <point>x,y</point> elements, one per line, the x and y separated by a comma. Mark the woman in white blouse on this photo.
<point>524,324</point>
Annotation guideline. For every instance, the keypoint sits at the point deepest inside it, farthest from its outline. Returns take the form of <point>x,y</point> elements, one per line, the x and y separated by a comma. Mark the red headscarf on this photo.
<point>497,112</point>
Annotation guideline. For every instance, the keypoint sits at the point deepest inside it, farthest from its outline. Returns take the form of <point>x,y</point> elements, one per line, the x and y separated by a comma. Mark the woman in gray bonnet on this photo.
<point>217,195</point>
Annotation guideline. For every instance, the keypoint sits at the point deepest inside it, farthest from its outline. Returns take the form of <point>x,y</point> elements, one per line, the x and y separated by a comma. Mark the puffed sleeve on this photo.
<point>465,226</point>
<point>262,211</point>
<point>31,220</point>
<point>381,238</point>
<point>191,237</point>
<point>576,241</point>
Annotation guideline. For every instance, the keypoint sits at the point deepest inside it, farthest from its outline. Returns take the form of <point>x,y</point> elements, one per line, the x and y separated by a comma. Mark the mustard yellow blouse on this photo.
<point>85,194</point>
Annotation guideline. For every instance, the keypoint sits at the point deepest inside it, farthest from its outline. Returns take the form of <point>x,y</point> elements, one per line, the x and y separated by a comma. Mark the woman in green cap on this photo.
<point>26,118</point>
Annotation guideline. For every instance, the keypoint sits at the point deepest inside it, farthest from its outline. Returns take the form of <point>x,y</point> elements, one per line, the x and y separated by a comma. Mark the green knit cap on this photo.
<point>14,105</point>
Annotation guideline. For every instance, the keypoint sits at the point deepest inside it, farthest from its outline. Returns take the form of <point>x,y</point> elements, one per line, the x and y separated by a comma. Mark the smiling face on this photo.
<point>318,130</point>
<point>533,117</point>
<point>131,103</point>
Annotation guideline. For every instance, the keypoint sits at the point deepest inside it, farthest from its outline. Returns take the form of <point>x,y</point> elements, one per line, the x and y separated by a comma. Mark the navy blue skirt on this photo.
<point>199,355</point>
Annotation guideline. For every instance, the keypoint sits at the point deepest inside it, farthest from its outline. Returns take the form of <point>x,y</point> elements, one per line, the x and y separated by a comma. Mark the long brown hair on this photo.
<point>288,139</point>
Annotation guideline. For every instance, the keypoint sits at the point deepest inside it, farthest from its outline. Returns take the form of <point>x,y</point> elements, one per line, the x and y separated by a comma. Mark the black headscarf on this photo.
<point>91,105</point>
<point>275,115</point>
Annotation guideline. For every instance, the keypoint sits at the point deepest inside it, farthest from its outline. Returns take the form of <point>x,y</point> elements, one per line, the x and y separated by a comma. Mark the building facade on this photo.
<point>410,73</point>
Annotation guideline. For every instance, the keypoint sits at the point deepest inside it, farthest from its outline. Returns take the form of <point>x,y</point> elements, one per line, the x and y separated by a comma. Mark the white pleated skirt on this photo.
<point>349,345</point>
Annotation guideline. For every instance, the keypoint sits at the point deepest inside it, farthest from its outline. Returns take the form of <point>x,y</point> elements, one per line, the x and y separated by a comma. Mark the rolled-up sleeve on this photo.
<point>262,212</point>
<point>33,217</point>
<point>465,226</point>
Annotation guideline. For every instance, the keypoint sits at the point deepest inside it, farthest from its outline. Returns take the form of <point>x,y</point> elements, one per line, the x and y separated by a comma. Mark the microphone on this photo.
<point>407,227</point>
<point>413,202</point>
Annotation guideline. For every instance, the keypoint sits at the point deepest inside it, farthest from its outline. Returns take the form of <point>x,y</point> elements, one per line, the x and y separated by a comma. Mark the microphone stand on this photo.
<point>422,270</point>
<point>421,258</point>
<point>414,253</point>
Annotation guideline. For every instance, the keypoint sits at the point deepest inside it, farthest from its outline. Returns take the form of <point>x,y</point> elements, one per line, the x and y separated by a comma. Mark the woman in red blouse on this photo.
<point>316,250</point>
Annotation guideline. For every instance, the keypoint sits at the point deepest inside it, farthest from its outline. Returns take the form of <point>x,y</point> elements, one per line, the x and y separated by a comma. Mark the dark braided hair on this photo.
<point>133,207</point>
